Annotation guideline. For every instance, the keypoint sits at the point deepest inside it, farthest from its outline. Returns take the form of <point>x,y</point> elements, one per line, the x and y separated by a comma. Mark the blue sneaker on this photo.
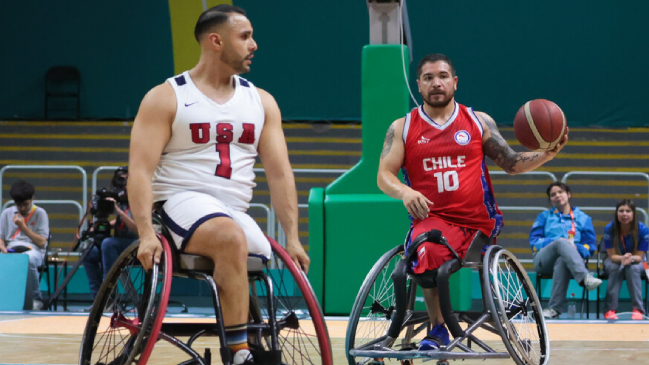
<point>437,337</point>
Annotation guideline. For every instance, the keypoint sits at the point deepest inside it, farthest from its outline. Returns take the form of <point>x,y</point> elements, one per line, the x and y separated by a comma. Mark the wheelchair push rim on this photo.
<point>517,309</point>
<point>126,317</point>
<point>374,307</point>
<point>300,342</point>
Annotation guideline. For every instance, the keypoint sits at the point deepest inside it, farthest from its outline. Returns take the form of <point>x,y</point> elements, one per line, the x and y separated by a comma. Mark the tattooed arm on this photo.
<point>392,157</point>
<point>495,146</point>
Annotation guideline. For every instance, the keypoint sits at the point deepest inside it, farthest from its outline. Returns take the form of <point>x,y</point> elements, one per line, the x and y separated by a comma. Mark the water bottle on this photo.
<point>572,308</point>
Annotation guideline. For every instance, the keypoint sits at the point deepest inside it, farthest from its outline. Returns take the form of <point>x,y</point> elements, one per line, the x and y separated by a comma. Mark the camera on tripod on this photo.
<point>102,206</point>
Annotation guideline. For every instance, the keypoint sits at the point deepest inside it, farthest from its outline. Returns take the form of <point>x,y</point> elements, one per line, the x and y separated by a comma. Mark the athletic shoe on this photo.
<point>591,282</point>
<point>437,337</point>
<point>550,313</point>
<point>243,357</point>
<point>37,305</point>
<point>611,316</point>
<point>637,315</point>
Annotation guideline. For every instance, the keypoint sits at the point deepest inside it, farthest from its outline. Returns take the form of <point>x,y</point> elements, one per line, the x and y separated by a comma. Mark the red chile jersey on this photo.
<point>446,163</point>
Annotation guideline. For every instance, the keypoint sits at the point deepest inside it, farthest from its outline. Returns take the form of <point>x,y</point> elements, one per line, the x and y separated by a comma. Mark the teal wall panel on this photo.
<point>588,56</point>
<point>122,49</point>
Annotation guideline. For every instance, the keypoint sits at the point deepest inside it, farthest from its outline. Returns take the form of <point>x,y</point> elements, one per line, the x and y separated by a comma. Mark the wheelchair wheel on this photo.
<point>374,306</point>
<point>302,333</point>
<point>516,309</point>
<point>127,315</point>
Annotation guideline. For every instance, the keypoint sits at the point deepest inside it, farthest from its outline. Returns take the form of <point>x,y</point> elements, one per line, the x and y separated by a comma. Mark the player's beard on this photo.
<point>236,62</point>
<point>439,103</point>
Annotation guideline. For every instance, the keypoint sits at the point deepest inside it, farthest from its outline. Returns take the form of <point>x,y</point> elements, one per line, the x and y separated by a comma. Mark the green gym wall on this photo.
<point>589,57</point>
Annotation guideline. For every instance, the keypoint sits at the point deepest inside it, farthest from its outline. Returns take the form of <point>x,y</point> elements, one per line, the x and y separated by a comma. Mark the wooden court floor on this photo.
<point>55,339</point>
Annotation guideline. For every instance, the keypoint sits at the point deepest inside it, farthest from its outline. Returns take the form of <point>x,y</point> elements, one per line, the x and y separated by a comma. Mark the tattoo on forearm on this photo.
<point>496,148</point>
<point>387,144</point>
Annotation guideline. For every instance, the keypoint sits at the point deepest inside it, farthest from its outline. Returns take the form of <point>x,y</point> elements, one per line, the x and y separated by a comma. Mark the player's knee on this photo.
<point>227,237</point>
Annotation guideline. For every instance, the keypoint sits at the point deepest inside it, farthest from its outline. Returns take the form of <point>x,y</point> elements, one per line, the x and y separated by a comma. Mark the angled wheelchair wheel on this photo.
<point>374,308</point>
<point>302,335</point>
<point>516,309</point>
<point>127,315</point>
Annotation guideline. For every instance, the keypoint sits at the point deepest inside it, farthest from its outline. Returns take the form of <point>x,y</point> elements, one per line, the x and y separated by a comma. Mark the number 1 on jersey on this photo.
<point>224,136</point>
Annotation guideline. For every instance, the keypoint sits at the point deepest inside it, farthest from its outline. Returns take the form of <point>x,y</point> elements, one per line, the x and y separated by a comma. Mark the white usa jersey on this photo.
<point>213,146</point>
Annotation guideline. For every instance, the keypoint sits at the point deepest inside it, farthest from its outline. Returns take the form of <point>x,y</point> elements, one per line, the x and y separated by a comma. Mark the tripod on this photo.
<point>100,230</point>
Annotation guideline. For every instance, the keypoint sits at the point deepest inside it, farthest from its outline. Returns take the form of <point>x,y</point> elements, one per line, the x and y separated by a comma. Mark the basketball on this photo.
<point>539,125</point>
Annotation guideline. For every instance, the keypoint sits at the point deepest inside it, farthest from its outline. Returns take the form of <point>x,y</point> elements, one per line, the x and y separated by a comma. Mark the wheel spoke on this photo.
<point>518,310</point>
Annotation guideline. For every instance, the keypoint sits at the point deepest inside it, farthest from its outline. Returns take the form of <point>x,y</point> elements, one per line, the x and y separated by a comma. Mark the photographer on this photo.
<point>106,248</point>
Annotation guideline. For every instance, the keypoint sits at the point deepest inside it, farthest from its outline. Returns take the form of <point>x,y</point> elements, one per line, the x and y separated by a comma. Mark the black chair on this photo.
<point>44,268</point>
<point>584,294</point>
<point>63,86</point>
<point>601,273</point>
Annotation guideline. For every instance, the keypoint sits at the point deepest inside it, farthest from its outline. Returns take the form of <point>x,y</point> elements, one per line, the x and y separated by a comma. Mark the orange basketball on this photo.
<point>539,125</point>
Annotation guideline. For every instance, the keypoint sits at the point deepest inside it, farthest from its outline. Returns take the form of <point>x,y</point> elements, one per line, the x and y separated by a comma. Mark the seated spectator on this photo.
<point>626,241</point>
<point>25,228</point>
<point>562,237</point>
<point>99,261</point>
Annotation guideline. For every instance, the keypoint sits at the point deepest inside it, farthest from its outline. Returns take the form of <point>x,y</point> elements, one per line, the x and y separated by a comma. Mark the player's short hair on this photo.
<point>563,187</point>
<point>432,58</point>
<point>214,16</point>
<point>21,191</point>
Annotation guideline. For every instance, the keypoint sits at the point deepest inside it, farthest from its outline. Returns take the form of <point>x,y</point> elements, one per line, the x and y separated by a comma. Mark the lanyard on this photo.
<point>31,212</point>
<point>622,244</point>
<point>573,229</point>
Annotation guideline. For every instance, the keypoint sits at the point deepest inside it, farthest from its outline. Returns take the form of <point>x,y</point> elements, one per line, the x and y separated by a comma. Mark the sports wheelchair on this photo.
<point>384,324</point>
<point>285,326</point>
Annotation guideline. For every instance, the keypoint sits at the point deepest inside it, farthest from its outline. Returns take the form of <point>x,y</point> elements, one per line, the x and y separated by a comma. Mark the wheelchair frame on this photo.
<point>126,320</point>
<point>390,315</point>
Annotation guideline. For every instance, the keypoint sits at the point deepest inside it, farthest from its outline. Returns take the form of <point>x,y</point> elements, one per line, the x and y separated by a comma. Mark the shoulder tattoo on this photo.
<point>387,144</point>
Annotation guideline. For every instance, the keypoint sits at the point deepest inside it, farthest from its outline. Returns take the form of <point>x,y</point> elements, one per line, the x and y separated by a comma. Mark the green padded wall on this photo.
<point>384,98</point>
<point>360,222</point>
<point>316,241</point>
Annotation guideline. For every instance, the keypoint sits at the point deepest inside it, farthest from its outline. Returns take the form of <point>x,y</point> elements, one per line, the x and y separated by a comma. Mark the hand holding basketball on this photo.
<point>540,125</point>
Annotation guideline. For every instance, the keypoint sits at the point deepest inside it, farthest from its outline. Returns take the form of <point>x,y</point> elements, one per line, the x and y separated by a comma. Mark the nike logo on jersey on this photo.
<point>423,140</point>
<point>191,103</point>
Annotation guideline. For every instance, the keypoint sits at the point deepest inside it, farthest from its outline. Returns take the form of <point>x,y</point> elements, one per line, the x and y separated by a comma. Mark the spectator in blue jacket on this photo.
<point>562,237</point>
<point>626,241</point>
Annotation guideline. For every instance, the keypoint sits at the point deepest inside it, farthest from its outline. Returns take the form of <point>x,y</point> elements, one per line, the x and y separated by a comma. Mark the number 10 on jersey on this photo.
<point>447,181</point>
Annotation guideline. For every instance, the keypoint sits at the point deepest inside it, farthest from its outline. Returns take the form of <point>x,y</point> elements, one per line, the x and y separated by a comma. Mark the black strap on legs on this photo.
<point>443,290</point>
<point>434,236</point>
<point>399,276</point>
<point>438,277</point>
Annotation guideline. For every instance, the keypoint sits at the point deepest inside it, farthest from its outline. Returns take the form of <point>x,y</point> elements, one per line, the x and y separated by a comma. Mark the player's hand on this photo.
<point>149,251</point>
<point>416,204</point>
<point>298,255</point>
<point>19,220</point>
<point>553,152</point>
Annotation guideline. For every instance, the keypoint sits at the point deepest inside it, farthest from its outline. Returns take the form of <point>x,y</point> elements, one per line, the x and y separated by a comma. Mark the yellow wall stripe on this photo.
<point>183,15</point>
